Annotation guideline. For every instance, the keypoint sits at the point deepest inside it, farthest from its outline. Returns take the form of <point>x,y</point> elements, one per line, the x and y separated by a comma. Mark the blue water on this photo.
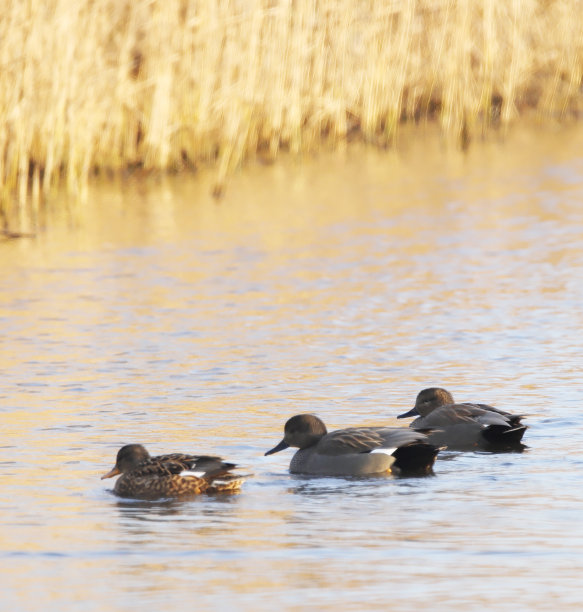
<point>342,285</point>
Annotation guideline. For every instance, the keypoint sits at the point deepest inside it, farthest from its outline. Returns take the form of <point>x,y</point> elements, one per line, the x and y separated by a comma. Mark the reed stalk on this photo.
<point>101,85</point>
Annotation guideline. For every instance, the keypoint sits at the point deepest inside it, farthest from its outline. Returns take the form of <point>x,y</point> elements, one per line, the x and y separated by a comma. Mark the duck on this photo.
<point>173,475</point>
<point>465,426</point>
<point>355,451</point>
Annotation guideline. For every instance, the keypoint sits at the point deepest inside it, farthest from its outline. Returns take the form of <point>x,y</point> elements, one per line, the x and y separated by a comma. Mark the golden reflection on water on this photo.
<point>342,283</point>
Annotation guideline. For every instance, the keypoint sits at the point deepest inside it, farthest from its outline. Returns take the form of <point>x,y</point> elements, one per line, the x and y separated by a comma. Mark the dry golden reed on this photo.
<point>92,85</point>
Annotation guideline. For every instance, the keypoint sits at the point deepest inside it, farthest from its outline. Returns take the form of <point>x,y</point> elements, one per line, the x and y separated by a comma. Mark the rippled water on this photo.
<point>341,285</point>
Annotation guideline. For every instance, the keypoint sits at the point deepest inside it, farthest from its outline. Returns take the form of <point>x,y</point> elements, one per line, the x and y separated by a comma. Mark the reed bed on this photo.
<point>106,85</point>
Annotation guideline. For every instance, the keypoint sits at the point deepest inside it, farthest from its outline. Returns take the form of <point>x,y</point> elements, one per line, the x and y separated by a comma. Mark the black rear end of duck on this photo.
<point>499,437</point>
<point>415,459</point>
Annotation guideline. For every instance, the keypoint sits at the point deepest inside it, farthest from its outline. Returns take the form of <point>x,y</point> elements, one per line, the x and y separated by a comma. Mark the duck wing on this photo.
<point>488,415</point>
<point>154,469</point>
<point>176,463</point>
<point>367,439</point>
<point>512,419</point>
<point>459,414</point>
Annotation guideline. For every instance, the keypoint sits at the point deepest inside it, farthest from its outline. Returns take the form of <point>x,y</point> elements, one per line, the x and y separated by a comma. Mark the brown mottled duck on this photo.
<point>174,475</point>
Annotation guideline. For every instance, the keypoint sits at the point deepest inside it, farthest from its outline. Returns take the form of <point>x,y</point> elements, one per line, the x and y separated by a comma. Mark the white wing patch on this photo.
<point>191,473</point>
<point>385,451</point>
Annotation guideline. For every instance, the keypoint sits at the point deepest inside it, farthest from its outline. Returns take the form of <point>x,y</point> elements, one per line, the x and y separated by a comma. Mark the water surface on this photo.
<point>340,284</point>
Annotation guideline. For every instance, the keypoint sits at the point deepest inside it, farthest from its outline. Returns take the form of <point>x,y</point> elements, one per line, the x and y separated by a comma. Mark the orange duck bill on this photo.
<point>114,472</point>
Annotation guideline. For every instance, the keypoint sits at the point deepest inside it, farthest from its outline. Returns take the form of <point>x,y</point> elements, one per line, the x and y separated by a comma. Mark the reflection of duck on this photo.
<point>465,426</point>
<point>356,451</point>
<point>172,475</point>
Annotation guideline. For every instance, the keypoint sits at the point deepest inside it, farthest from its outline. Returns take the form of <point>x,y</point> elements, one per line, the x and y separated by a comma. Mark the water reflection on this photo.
<point>143,510</point>
<point>341,286</point>
<point>149,510</point>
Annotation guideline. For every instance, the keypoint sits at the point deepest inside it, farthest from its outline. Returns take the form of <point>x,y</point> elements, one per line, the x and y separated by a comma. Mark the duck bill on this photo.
<point>114,472</point>
<point>281,446</point>
<point>406,415</point>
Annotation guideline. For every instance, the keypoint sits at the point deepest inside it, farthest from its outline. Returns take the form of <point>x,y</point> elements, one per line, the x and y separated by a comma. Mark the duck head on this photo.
<point>129,457</point>
<point>301,431</point>
<point>428,400</point>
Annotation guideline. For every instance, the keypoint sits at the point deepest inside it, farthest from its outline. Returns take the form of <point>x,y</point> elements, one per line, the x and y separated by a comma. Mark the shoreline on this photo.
<point>116,87</point>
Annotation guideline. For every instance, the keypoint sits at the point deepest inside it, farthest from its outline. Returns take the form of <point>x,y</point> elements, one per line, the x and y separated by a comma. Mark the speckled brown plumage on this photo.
<point>148,477</point>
